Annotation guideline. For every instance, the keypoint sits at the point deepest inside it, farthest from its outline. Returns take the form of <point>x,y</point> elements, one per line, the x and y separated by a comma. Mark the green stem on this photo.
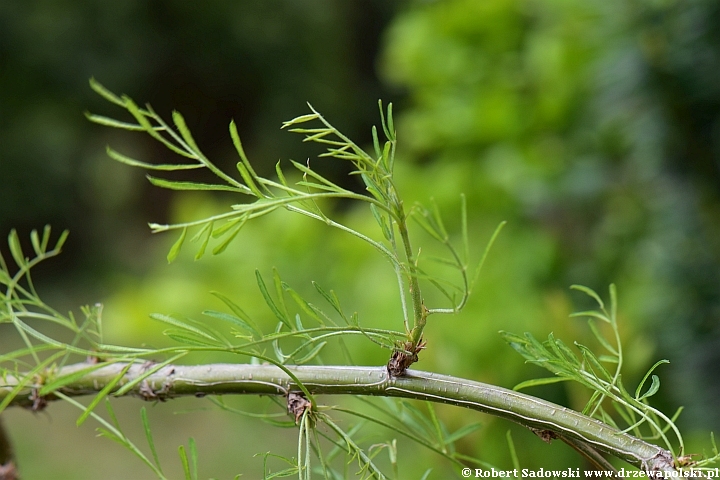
<point>222,379</point>
<point>419,310</point>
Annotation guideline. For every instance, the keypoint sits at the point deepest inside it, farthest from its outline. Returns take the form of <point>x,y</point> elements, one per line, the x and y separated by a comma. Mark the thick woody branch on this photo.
<point>224,379</point>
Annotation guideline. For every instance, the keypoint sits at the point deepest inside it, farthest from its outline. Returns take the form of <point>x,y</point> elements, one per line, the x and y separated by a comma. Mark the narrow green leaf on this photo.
<point>111,122</point>
<point>308,171</point>
<point>175,249</point>
<point>591,313</point>
<point>45,238</point>
<point>420,217</point>
<point>390,123</point>
<point>513,452</point>
<point>193,457</point>
<point>35,240</point>
<point>376,142</point>
<point>170,320</point>
<point>304,305</point>
<point>331,298</point>
<point>310,355</point>
<point>184,462</point>
<point>186,338</point>
<point>115,155</point>
<point>184,131</point>
<point>438,220</point>
<point>489,245</point>
<point>207,231</point>
<point>231,236</point>
<point>300,119</point>
<point>15,248</point>
<point>270,302</point>
<point>248,179</point>
<point>60,382</point>
<point>238,311</point>
<point>61,240</point>
<point>381,221</point>
<point>149,437</point>
<point>589,292</point>
<point>649,372</point>
<point>237,321</point>
<point>102,395</point>
<point>654,387</point>
<point>609,358</point>
<point>173,185</point>
<point>280,293</point>
<point>462,432</point>
<point>594,363</point>
<point>539,381</point>
<point>244,167</point>
<point>600,338</point>
<point>383,122</point>
<point>105,93</point>
<point>280,175</point>
<point>131,384</point>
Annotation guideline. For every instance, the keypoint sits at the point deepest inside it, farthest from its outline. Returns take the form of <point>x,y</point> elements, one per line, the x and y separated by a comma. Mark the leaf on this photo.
<point>61,240</point>
<point>594,363</point>
<point>654,387</point>
<point>111,122</point>
<point>301,119</point>
<point>60,382</point>
<point>184,462</point>
<point>234,320</point>
<point>149,437</point>
<point>642,383</point>
<point>35,242</point>
<point>308,171</point>
<point>603,341</point>
<point>591,313</point>
<point>175,249</point>
<point>170,320</point>
<point>105,93</point>
<point>376,142</point>
<point>15,248</point>
<point>149,166</point>
<point>462,432</point>
<point>589,292</point>
<point>173,185</point>
<point>221,248</point>
<point>310,355</point>
<point>131,384</point>
<point>102,394</point>
<point>304,305</point>
<point>238,311</point>
<point>331,298</point>
<point>539,381</point>
<point>270,302</point>
<point>207,230</point>
<point>380,219</point>
<point>184,130</point>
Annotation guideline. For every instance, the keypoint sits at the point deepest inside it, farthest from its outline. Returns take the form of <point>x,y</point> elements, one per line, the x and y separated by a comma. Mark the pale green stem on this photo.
<point>224,379</point>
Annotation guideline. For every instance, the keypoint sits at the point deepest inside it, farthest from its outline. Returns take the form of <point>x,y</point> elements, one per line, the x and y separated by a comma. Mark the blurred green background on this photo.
<point>592,127</point>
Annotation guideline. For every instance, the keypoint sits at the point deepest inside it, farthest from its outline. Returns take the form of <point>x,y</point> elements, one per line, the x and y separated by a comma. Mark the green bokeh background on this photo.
<point>592,127</point>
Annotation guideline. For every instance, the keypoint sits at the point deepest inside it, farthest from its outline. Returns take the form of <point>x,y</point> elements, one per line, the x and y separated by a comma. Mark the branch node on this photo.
<point>403,356</point>
<point>546,436</point>
<point>297,404</point>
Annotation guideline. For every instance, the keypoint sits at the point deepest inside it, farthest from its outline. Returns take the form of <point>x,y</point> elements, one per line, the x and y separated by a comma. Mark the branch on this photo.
<point>222,379</point>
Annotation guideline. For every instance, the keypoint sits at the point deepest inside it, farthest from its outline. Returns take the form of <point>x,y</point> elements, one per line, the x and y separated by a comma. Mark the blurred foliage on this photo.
<point>592,127</point>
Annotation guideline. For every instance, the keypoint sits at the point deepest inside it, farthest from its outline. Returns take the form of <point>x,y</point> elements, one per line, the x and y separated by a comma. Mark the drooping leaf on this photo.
<point>175,249</point>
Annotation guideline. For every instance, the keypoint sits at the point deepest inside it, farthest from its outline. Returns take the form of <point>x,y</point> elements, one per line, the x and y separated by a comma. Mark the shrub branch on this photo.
<point>539,415</point>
